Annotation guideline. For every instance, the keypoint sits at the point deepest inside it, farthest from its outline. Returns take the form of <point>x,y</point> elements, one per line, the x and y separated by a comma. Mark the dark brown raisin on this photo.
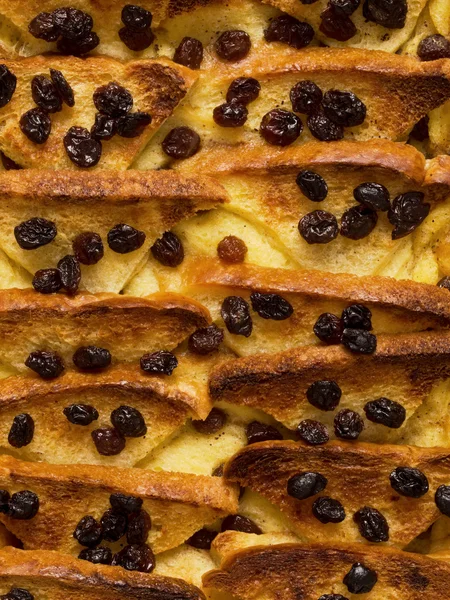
<point>348,424</point>
<point>8,83</point>
<point>358,222</point>
<point>168,250</point>
<point>81,148</point>
<point>72,24</point>
<point>346,7</point>
<point>332,597</point>
<point>46,364</point>
<point>360,579</point>
<point>409,482</point>
<point>139,525</point>
<point>98,556</point>
<point>329,328</point>
<point>213,423</point>
<point>189,53</point>
<point>114,524</point>
<point>62,87</point>
<point>88,358</point>
<point>78,47</point>
<point>323,129</point>
<point>232,249</point>
<point>336,25</point>
<point>18,594</point>
<point>135,558</point>
<point>434,47</point>
<point>324,394</point>
<point>88,248</point>
<point>23,505</point>
<point>35,233</point>
<point>81,414</point>
<point>372,195</point>
<point>113,100</point>
<point>133,125</point>
<point>161,363</point>
<point>318,227</point>
<point>123,238</point>
<point>8,163</point>
<point>305,485</point>
<point>305,96</point>
<point>243,90</point>
<point>233,45</point>
<point>260,432</point>
<point>385,412</point>
<point>22,431</point>
<point>357,316</point>
<point>359,341</point>
<point>109,442</point>
<point>420,130</point>
<point>372,524</point>
<point>235,312</point>
<point>136,17</point>
<point>136,40</point>
<point>218,471</point>
<point>4,501</point>
<point>312,185</point>
<point>328,510</point>
<point>230,114</point>
<point>444,283</point>
<point>344,108</point>
<point>88,532</point>
<point>70,272</point>
<point>104,128</point>
<point>312,432</point>
<point>240,523</point>
<point>36,125</point>
<point>45,94</point>
<point>442,499</point>
<point>47,281</point>
<point>181,142</point>
<point>280,127</point>
<point>129,421</point>
<point>289,30</point>
<point>205,340</point>
<point>271,306</point>
<point>388,13</point>
<point>407,213</point>
<point>127,504</point>
<point>43,27</point>
<point>202,539</point>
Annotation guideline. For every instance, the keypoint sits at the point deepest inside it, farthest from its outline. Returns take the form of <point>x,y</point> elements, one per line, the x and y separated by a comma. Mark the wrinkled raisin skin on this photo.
<point>136,17</point>
<point>230,114</point>
<point>43,27</point>
<point>168,250</point>
<point>88,248</point>
<point>312,432</point>
<point>97,556</point>
<point>205,340</point>
<point>104,128</point>
<point>181,143</point>
<point>324,395</point>
<point>357,316</point>
<point>372,195</point>
<point>385,412</point>
<point>8,82</point>
<point>83,150</point>
<point>243,90</point>
<point>409,482</point>
<point>289,30</point>
<point>359,341</point>
<point>113,100</point>
<point>360,579</point>
<point>160,363</point>
<point>305,97</point>
<point>133,125</point>
<point>213,423</point>
<point>240,523</point>
<point>123,238</point>
<point>233,45</point>
<point>47,281</point>
<point>70,273</point>
<point>89,358</point>
<point>232,250</point>
<point>388,13</point>
<point>328,510</point>
<point>45,95</point>
<point>271,306</point>
<point>35,233</point>
<point>189,53</point>
<point>136,40</point>
<point>139,526</point>
<point>348,424</point>
<point>235,312</point>
<point>260,432</point>
<point>358,222</point>
<point>135,558</point>
<point>80,414</point>
<point>328,328</point>
<point>88,532</point>
<point>407,213</point>
<point>202,539</point>
<point>127,504</point>
<point>312,185</point>
<point>63,87</point>
<point>305,485</point>
<point>129,421</point>
<point>22,431</point>
<point>23,505</point>
<point>344,108</point>
<point>323,129</point>
<point>337,25</point>
<point>280,127</point>
<point>372,524</point>
<point>109,442</point>
<point>36,125</point>
<point>318,227</point>
<point>48,365</point>
<point>114,525</point>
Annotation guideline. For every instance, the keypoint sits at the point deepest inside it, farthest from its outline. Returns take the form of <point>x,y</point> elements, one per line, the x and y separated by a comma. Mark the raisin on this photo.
<point>129,421</point>
<point>360,579</point>
<point>407,213</point>
<point>323,129</point>
<point>358,222</point>
<point>46,364</point>
<point>346,7</point>
<point>235,312</point>
<point>289,30</point>
<point>442,499</point>
<point>280,127</point>
<point>357,316</point>
<point>260,432</point>
<point>136,17</point>
<point>161,363</point>
<point>218,471</point>
<point>114,525</point>
<point>8,83</point>
<point>133,125</point>
<point>213,423</point>
<point>372,524</point>
<point>232,249</point>
<point>434,47</point>
<point>348,424</point>
<point>136,40</point>
<point>409,482</point>
<point>240,523</point>
<point>36,125</point>
<point>63,88</point>
<point>318,227</point>
<point>336,25</point>
<point>385,412</point>
<point>312,432</point>
<point>8,163</point>
<point>420,130</point>
<point>328,328</point>
<point>324,395</point>
<point>359,341</point>
<point>181,142</point>
<point>35,233</point>
<point>113,100</point>
<point>127,504</point>
<point>18,594</point>
<point>78,47</point>
<point>230,114</point>
<point>88,358</point>
<point>98,556</point>
<point>123,238</point>
<point>22,431</point>
<point>45,94</point>
<point>233,45</point>
<point>109,442</point>
<point>444,283</point>
<point>70,273</point>
<point>328,510</point>
<point>104,128</point>
<point>344,108</point>
<point>202,539</point>
<point>88,248</point>
<point>372,195</point>
<point>332,597</point>
<point>139,526</point>
<point>271,306</point>
<point>168,250</point>
<point>189,53</point>
<point>23,505</point>
<point>243,90</point>
<point>312,185</point>
<point>305,96</point>
<point>72,24</point>
<point>43,27</point>
<point>305,485</point>
<point>81,414</point>
<point>81,148</point>
<point>205,340</point>
<point>387,13</point>
<point>135,558</point>
<point>47,281</point>
<point>4,501</point>
<point>88,532</point>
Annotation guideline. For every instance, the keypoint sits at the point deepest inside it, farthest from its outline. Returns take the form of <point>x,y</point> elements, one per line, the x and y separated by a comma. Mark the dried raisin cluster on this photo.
<point>136,33</point>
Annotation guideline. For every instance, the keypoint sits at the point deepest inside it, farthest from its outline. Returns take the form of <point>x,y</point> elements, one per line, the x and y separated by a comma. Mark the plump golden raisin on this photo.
<point>232,249</point>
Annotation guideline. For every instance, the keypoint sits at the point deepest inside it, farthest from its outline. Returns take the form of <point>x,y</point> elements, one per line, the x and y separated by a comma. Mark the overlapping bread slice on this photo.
<point>271,567</point>
<point>358,476</point>
<point>77,202</point>
<point>157,86</point>
<point>178,503</point>
<point>61,576</point>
